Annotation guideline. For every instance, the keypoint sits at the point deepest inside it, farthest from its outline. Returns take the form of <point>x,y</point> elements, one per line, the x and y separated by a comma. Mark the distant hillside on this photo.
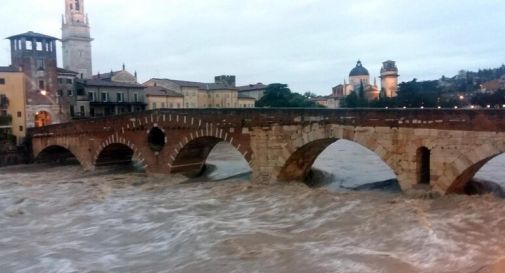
<point>469,81</point>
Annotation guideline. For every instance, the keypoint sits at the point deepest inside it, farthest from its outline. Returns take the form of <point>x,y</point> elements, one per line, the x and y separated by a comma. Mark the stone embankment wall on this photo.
<point>12,155</point>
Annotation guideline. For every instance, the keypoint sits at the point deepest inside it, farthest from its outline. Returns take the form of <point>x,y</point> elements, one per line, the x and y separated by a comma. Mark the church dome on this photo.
<point>359,70</point>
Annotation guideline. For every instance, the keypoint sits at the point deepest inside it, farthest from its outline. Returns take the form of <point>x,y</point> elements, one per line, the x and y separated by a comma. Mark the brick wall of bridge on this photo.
<point>281,145</point>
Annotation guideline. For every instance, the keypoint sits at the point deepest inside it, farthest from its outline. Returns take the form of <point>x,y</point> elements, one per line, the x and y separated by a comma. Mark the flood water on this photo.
<point>62,219</point>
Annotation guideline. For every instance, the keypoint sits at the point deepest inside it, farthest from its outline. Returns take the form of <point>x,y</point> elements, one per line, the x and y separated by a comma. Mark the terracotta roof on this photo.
<point>160,91</point>
<point>105,76</point>
<point>31,34</point>
<point>102,83</point>
<point>200,85</point>
<point>251,87</point>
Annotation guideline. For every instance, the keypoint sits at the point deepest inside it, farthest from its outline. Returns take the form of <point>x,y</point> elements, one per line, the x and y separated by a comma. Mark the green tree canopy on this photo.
<point>279,95</point>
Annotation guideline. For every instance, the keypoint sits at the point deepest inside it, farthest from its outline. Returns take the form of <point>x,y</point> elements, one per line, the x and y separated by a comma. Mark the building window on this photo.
<point>178,105</point>
<point>69,93</point>
<point>19,114</point>
<point>60,81</point>
<point>40,64</point>
<point>120,97</point>
<point>83,113</point>
<point>42,85</point>
<point>105,97</point>
<point>154,105</point>
<point>2,81</point>
<point>21,128</point>
<point>135,97</point>
<point>187,104</point>
<point>29,45</point>
<point>69,81</point>
<point>163,105</point>
<point>92,96</point>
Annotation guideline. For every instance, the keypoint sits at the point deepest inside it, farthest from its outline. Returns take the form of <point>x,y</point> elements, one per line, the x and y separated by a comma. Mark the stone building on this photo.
<point>67,95</point>
<point>76,39</point>
<point>110,94</point>
<point>246,101</point>
<point>327,101</point>
<point>35,55</point>
<point>158,97</point>
<point>222,93</point>
<point>389,77</point>
<point>360,77</point>
<point>256,91</point>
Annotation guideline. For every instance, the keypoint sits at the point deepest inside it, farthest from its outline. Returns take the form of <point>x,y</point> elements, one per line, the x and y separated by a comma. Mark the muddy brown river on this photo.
<point>116,219</point>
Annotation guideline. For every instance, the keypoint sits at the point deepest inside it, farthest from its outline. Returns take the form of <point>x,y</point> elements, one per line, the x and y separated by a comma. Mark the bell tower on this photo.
<point>76,39</point>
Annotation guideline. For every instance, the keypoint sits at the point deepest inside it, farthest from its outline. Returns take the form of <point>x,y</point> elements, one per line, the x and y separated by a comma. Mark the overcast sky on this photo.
<point>308,44</point>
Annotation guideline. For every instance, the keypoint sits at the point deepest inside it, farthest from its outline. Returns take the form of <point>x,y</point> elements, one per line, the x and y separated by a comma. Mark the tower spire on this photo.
<point>76,39</point>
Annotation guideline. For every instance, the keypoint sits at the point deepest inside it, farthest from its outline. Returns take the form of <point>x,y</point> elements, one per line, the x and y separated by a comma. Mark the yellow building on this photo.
<point>222,93</point>
<point>246,102</point>
<point>223,98</point>
<point>160,98</point>
<point>12,86</point>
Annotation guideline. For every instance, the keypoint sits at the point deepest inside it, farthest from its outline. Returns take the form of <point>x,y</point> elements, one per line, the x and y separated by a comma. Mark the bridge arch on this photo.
<point>192,152</point>
<point>299,164</point>
<point>117,149</point>
<point>461,171</point>
<point>56,153</point>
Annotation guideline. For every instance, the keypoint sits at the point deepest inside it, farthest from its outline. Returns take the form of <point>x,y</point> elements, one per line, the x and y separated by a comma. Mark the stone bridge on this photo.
<point>436,147</point>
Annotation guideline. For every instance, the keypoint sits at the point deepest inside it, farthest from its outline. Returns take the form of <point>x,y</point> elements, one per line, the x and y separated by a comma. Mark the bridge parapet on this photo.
<point>463,119</point>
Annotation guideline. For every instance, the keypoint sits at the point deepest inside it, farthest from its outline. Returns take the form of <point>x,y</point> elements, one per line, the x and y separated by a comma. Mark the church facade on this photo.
<point>359,78</point>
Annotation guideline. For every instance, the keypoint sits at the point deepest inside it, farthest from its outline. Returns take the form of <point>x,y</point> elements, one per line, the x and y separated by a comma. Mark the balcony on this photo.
<point>82,98</point>
<point>111,103</point>
<point>5,120</point>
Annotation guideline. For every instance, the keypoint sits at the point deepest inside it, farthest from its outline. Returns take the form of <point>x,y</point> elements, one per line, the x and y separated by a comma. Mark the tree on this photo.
<point>309,95</point>
<point>279,95</point>
<point>415,94</point>
<point>351,101</point>
<point>484,99</point>
<point>361,92</point>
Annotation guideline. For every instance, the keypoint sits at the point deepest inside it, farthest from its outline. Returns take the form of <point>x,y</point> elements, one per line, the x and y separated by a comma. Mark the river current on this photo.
<point>116,219</point>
